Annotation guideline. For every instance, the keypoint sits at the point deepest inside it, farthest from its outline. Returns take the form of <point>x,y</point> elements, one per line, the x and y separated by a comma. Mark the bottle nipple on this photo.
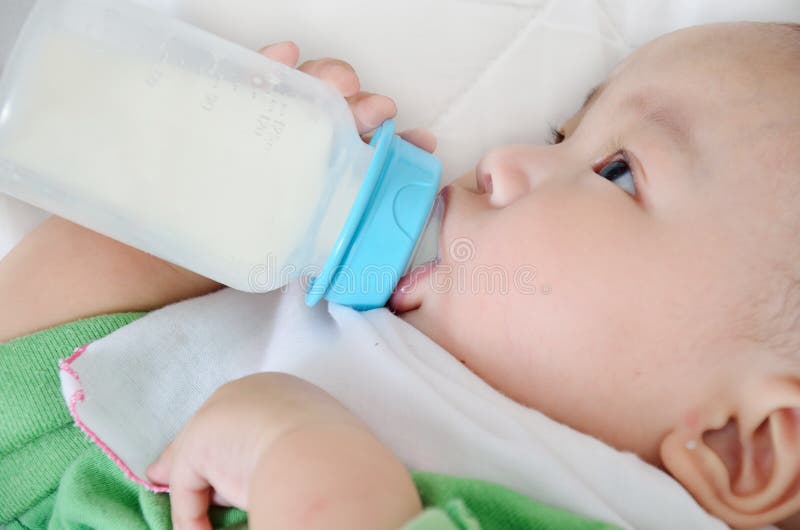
<point>427,247</point>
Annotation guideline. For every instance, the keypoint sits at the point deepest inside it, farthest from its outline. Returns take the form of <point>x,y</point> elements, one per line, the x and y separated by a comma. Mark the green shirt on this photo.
<point>52,476</point>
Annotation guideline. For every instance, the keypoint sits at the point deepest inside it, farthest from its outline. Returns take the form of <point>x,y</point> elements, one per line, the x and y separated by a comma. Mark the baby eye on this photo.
<point>619,172</point>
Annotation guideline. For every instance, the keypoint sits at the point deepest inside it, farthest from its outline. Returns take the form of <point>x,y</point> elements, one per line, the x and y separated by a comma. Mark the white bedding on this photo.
<point>479,73</point>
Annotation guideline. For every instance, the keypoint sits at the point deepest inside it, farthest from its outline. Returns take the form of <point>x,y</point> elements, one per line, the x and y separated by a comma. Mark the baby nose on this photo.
<point>507,173</point>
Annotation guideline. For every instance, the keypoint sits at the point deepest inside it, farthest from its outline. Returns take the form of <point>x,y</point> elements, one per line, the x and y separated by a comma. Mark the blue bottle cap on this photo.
<point>383,225</point>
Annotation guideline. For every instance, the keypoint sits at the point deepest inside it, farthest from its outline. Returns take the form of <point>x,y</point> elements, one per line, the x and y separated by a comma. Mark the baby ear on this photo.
<point>741,458</point>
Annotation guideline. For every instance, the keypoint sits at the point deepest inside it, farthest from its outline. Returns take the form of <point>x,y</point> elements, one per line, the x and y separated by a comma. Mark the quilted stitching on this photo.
<point>514,41</point>
<point>540,14</point>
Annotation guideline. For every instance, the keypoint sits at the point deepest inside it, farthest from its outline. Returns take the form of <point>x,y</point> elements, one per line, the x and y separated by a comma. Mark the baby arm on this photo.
<point>331,477</point>
<point>289,454</point>
<point>62,272</point>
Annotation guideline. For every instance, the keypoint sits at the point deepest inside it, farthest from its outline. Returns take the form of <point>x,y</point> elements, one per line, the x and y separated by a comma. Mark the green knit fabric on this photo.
<point>94,493</point>
<point>38,439</point>
<point>52,476</point>
<point>456,503</point>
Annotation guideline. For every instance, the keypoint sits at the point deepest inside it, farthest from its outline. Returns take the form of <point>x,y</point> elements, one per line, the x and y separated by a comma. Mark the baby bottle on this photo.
<point>209,155</point>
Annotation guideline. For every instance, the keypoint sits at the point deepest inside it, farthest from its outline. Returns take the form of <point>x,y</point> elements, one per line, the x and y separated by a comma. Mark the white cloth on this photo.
<point>134,389</point>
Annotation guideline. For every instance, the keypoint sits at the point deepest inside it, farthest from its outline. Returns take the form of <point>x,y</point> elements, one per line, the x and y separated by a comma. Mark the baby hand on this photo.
<point>218,450</point>
<point>369,110</point>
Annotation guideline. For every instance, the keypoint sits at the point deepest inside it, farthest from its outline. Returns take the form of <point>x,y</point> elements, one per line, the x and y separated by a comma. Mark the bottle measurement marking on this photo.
<point>270,124</point>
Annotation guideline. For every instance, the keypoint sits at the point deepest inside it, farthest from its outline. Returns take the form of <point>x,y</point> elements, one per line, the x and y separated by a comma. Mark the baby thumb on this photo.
<point>158,471</point>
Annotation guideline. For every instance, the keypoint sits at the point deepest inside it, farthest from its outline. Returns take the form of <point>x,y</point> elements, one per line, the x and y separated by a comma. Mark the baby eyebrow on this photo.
<point>654,108</point>
<point>664,114</point>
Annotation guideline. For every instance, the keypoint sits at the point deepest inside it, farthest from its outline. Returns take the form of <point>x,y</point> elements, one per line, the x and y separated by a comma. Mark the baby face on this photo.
<point>597,279</point>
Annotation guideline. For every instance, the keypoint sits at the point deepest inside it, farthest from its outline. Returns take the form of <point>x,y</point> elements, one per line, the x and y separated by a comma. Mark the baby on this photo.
<point>663,222</point>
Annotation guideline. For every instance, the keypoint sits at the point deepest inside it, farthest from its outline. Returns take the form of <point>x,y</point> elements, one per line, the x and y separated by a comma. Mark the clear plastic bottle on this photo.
<point>208,155</point>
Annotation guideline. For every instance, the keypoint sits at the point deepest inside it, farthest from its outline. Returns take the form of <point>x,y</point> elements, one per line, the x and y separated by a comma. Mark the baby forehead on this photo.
<point>745,81</point>
<point>735,54</point>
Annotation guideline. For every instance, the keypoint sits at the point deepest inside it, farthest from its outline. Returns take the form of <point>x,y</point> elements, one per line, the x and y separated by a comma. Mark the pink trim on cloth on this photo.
<point>77,397</point>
